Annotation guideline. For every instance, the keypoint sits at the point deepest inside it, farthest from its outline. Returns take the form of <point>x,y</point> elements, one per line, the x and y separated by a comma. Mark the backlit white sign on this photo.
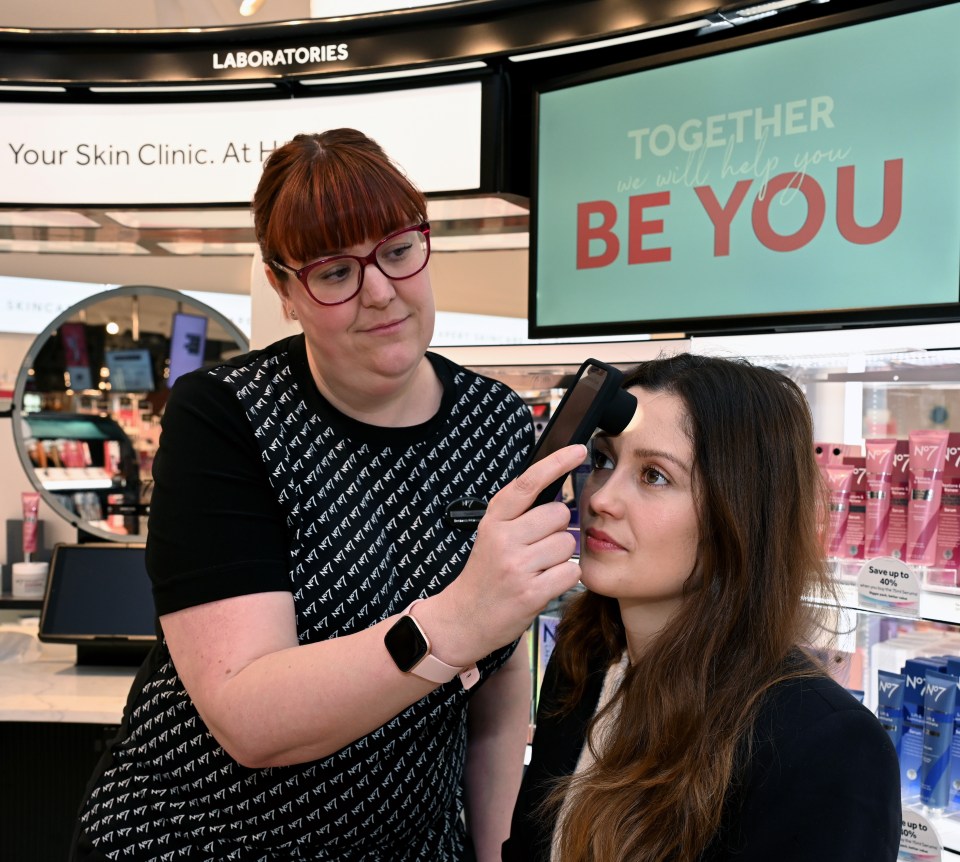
<point>212,152</point>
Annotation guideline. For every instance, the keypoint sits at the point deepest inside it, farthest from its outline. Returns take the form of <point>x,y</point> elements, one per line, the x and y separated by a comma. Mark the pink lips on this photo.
<point>386,328</point>
<point>597,540</point>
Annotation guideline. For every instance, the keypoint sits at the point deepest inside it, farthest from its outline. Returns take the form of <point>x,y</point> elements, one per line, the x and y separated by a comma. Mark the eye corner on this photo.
<point>600,459</point>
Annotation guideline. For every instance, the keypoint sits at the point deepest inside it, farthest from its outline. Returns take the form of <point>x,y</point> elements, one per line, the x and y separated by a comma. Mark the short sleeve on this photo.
<point>216,529</point>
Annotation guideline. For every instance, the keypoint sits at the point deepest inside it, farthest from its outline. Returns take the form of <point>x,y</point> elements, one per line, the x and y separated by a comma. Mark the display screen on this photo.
<point>188,341</point>
<point>797,177</point>
<point>405,643</point>
<point>130,370</point>
<point>98,591</point>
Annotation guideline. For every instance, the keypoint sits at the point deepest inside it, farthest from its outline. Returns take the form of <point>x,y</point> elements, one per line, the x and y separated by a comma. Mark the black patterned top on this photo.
<point>261,485</point>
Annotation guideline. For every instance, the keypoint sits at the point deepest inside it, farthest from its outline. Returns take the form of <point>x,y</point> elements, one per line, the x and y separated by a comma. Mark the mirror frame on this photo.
<point>18,422</point>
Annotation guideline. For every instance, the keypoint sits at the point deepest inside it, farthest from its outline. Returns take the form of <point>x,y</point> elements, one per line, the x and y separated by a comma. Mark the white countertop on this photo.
<point>42,682</point>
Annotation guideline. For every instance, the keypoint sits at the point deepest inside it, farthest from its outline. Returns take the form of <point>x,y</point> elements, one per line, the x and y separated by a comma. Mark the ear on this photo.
<point>275,282</point>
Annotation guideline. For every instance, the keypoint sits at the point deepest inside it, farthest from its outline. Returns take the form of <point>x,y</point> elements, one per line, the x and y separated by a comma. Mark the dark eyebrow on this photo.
<point>643,454</point>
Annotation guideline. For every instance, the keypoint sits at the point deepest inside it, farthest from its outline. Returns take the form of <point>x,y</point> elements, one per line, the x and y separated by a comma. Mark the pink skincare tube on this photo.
<point>31,504</point>
<point>899,500</point>
<point>948,527</point>
<point>880,454</point>
<point>854,536</point>
<point>928,452</point>
<point>839,482</point>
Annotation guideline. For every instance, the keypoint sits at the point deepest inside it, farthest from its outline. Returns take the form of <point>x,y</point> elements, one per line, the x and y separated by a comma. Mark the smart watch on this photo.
<point>410,649</point>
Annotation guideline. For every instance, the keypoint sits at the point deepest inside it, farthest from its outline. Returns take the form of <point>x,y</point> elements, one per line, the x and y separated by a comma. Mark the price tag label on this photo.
<point>887,584</point>
<point>918,838</point>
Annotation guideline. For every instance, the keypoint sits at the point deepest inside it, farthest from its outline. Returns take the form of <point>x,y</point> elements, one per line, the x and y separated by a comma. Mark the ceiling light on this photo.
<point>250,7</point>
<point>457,209</point>
<point>346,8</point>
<point>46,218</point>
<point>18,246</point>
<point>221,249</point>
<point>166,219</point>
<point>618,40</point>
<point>13,88</point>
<point>199,88</point>
<point>742,13</point>
<point>401,73</point>
<point>481,242</point>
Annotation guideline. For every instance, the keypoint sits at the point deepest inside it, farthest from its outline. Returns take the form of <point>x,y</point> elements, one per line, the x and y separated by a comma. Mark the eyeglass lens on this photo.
<point>399,256</point>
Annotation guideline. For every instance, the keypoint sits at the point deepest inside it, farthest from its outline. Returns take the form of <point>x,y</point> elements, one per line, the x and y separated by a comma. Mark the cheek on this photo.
<point>421,293</point>
<point>674,530</point>
<point>327,320</point>
<point>688,539</point>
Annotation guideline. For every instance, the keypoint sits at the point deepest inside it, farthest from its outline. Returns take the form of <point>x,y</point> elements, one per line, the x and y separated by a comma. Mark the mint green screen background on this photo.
<point>895,91</point>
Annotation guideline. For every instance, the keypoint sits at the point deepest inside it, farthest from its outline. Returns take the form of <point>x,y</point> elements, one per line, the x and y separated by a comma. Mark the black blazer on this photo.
<point>823,782</point>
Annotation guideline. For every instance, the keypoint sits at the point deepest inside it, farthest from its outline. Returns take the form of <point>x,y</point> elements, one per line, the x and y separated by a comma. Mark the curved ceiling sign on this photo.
<point>213,152</point>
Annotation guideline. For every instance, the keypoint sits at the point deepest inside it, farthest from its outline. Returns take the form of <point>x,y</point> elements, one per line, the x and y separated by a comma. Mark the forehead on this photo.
<point>660,422</point>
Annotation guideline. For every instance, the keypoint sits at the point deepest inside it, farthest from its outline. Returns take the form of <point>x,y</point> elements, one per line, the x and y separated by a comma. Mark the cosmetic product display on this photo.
<point>854,535</point>
<point>928,450</point>
<point>30,501</point>
<point>839,482</point>
<point>879,475</point>
<point>899,501</point>
<point>911,744</point>
<point>890,687</point>
<point>939,716</point>
<point>948,527</point>
<point>28,579</point>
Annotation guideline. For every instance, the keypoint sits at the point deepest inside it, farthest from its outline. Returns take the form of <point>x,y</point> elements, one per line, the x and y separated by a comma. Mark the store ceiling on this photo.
<point>458,224</point>
<point>170,14</point>
<point>470,223</point>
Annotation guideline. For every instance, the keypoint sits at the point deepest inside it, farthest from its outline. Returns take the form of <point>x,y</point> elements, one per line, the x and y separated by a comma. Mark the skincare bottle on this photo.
<point>939,714</point>
<point>890,708</point>
<point>911,743</point>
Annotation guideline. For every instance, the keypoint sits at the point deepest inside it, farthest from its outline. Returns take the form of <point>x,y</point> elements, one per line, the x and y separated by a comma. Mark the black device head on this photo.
<point>618,412</point>
<point>594,400</point>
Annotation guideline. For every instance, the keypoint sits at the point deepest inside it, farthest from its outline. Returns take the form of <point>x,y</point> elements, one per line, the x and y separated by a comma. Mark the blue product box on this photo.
<point>890,711</point>
<point>939,715</point>
<point>911,743</point>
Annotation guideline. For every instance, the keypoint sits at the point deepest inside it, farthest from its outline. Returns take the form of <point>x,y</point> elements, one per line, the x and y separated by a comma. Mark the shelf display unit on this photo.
<point>859,387</point>
<point>89,462</point>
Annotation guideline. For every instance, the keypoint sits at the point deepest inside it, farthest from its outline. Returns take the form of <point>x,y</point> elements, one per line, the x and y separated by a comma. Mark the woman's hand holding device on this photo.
<point>522,556</point>
<point>520,561</point>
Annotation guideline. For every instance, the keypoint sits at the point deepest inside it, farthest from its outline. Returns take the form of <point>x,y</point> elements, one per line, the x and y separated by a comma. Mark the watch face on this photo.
<point>406,643</point>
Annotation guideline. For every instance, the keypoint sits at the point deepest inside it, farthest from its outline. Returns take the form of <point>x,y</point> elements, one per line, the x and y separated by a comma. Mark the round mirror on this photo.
<point>90,393</point>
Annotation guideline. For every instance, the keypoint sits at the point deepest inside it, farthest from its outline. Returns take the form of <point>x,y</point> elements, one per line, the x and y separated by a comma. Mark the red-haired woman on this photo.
<point>337,668</point>
<point>680,718</point>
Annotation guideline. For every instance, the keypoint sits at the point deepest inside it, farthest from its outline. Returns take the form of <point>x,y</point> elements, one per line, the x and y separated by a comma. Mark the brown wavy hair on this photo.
<point>687,705</point>
<point>323,192</point>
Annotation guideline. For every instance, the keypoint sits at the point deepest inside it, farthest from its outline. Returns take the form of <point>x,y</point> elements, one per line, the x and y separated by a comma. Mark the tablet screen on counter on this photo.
<point>98,592</point>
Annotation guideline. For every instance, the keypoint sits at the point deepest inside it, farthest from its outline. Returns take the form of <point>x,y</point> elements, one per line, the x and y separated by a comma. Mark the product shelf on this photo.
<point>937,596</point>
<point>74,478</point>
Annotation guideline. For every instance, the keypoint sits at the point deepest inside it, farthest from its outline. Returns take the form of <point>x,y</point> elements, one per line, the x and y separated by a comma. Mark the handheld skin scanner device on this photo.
<point>595,400</point>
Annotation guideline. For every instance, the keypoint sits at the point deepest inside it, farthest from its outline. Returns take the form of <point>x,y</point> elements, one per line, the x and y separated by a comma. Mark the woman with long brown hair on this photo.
<point>680,717</point>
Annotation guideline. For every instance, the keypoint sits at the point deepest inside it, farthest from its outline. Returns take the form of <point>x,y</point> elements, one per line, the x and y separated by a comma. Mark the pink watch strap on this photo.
<point>432,669</point>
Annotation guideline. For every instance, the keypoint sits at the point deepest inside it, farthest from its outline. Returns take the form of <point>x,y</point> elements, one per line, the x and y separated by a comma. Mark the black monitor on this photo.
<point>794,177</point>
<point>99,597</point>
